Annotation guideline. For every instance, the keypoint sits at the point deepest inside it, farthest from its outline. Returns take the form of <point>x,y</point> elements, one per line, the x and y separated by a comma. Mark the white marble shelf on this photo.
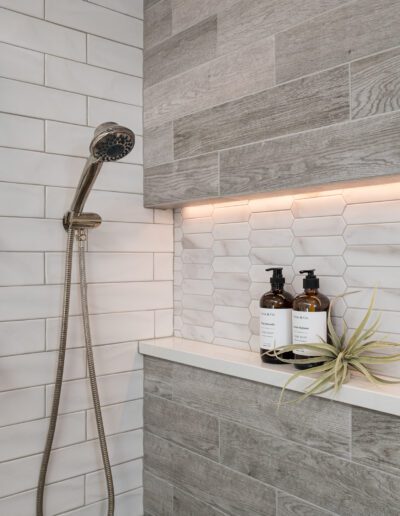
<point>248,365</point>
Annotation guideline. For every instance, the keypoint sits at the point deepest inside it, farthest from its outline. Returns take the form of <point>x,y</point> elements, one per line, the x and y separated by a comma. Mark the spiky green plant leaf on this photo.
<point>337,358</point>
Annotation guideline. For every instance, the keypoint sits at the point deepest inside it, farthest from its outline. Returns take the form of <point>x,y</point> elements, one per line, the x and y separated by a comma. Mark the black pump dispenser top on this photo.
<point>310,281</point>
<point>277,280</point>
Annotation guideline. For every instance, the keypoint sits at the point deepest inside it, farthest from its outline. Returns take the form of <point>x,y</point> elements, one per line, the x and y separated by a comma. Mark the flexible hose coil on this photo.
<point>60,374</point>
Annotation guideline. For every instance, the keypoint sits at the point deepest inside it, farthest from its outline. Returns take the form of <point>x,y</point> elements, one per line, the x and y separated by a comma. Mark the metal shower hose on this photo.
<point>81,235</point>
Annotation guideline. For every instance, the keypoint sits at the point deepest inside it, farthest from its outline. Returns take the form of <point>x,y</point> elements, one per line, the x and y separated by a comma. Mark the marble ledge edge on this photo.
<point>247,365</point>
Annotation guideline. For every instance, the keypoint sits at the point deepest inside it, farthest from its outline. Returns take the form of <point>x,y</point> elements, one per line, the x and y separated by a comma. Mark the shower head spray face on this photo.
<point>112,142</point>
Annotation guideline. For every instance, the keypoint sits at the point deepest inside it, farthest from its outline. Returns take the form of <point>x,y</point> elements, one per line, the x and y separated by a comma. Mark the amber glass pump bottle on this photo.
<point>309,317</point>
<point>275,318</point>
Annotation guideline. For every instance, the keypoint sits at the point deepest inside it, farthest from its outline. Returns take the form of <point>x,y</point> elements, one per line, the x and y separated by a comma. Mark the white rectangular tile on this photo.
<point>283,202</point>
<point>18,337</point>
<point>326,265</point>
<point>19,475</point>
<point>18,200</point>
<point>100,111</point>
<point>232,231</point>
<point>93,19</point>
<point>380,234</point>
<point>271,256</point>
<point>271,220</point>
<point>271,237</point>
<point>199,225</point>
<point>126,476</point>
<point>319,226</point>
<point>124,297</point>
<point>126,504</point>
<point>372,212</point>
<point>29,438</point>
<point>113,388</point>
<point>380,277</point>
<point>112,206</point>
<point>384,255</point>
<point>61,496</point>
<point>163,323</point>
<point>163,216</point>
<point>40,35</point>
<point>22,234</point>
<point>31,7</point>
<point>102,267</point>
<point>320,245</point>
<point>22,64</point>
<point>22,166</point>
<point>105,329</point>
<point>74,140</point>
<point>21,371</point>
<point>232,314</point>
<point>117,358</point>
<point>21,132</point>
<point>131,238</point>
<point>41,102</point>
<point>163,266</point>
<point>118,418</point>
<point>85,457</point>
<point>115,56</point>
<point>318,206</point>
<point>130,7</point>
<point>21,269</point>
<point>93,81</point>
<point>21,405</point>
<point>34,302</point>
<point>231,264</point>
<point>371,193</point>
<point>230,214</point>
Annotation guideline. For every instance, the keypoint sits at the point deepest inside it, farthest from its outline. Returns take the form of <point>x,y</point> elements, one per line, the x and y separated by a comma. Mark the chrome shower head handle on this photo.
<point>111,142</point>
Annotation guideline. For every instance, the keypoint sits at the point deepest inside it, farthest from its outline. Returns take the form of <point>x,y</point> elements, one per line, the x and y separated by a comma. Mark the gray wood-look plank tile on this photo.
<point>181,181</point>
<point>221,487</point>
<point>149,3</point>
<point>248,20</point>
<point>375,84</point>
<point>157,496</point>
<point>187,505</point>
<point>307,103</point>
<point>322,479</point>
<point>376,439</point>
<point>158,377</point>
<point>157,23</point>
<point>186,13</point>
<point>182,425</point>
<point>240,73</point>
<point>290,506</point>
<point>158,145</point>
<point>181,52</point>
<point>315,422</point>
<point>355,30</point>
<point>345,152</point>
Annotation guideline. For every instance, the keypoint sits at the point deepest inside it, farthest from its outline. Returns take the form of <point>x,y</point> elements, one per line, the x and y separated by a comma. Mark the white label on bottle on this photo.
<point>275,327</point>
<point>308,328</point>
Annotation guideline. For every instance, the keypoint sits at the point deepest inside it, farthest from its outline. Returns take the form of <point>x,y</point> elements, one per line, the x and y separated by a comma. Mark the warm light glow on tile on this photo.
<point>351,195</point>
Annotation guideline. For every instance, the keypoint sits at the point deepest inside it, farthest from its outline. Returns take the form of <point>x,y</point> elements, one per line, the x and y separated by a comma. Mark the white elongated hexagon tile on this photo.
<point>351,237</point>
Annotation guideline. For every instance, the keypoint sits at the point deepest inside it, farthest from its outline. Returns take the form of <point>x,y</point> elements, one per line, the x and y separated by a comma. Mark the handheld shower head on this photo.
<point>111,142</point>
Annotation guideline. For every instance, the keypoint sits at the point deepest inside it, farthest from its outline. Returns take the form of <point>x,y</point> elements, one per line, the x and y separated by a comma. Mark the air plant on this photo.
<point>340,356</point>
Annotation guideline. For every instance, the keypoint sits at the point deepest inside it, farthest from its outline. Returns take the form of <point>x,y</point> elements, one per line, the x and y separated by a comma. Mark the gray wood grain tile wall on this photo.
<point>318,458</point>
<point>251,80</point>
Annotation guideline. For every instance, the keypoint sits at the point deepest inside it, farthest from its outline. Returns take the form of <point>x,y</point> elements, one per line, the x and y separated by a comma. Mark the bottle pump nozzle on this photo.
<point>310,281</point>
<point>277,280</point>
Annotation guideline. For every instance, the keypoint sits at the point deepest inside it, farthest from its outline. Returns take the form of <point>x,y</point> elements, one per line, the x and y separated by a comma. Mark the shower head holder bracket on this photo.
<point>81,221</point>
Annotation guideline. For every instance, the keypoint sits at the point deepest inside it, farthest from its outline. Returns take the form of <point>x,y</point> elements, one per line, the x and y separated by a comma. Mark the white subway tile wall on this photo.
<point>351,237</point>
<point>65,67</point>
